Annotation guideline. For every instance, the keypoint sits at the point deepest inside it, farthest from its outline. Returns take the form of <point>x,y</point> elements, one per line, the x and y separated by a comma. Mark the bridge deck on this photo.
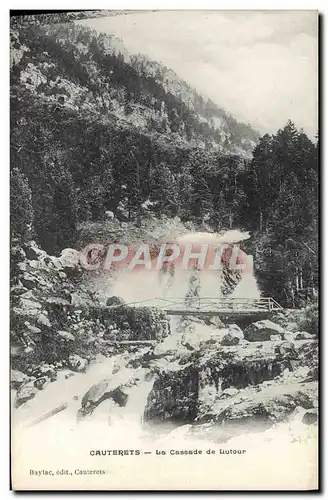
<point>209,306</point>
<point>214,312</point>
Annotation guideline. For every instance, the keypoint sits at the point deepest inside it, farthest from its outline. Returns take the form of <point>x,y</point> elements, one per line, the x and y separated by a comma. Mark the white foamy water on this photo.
<point>145,285</point>
<point>62,443</point>
<point>284,456</point>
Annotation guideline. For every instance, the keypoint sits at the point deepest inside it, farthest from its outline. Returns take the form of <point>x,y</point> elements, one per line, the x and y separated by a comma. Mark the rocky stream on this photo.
<point>84,386</point>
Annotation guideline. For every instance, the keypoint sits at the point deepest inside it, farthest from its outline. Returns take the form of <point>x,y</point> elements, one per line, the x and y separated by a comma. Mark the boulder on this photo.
<point>18,290</point>
<point>215,321</point>
<point>17,254</point>
<point>119,396</point>
<point>41,382</point>
<point>286,349</point>
<point>236,330</point>
<point>31,328</point>
<point>28,281</point>
<point>109,214</point>
<point>230,339</point>
<point>116,368</point>
<point>289,336</point>
<point>99,393</point>
<point>46,370</point>
<point>310,417</point>
<point>114,301</point>
<point>275,338</point>
<point>230,391</point>
<point>269,404</point>
<point>69,258</point>
<point>262,331</point>
<point>76,363</point>
<point>303,336</point>
<point>22,266</point>
<point>29,305</point>
<point>42,320</point>
<point>25,393</point>
<point>32,251</point>
<point>60,301</point>
<point>16,350</point>
<point>17,379</point>
<point>292,326</point>
<point>66,335</point>
<point>313,373</point>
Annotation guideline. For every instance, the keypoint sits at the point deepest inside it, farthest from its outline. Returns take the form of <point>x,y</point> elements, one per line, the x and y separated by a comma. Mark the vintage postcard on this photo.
<point>164,250</point>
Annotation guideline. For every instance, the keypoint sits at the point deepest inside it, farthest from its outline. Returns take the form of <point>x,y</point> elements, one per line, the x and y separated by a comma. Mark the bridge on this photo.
<point>206,307</point>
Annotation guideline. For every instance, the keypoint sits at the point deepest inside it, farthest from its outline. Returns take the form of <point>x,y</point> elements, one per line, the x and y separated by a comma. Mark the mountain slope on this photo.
<point>92,73</point>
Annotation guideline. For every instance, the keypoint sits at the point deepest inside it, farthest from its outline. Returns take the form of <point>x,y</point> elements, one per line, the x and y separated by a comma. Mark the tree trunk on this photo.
<point>301,279</point>
<point>296,280</point>
<point>261,220</point>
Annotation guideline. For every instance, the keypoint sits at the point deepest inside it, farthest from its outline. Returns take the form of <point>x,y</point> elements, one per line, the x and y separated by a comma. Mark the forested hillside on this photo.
<point>94,129</point>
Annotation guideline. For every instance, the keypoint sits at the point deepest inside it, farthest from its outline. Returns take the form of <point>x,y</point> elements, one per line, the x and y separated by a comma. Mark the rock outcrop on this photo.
<point>239,384</point>
<point>262,330</point>
<point>99,393</point>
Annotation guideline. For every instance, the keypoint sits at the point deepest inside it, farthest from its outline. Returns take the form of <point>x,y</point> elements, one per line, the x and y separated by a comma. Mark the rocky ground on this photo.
<point>230,380</point>
<point>59,326</point>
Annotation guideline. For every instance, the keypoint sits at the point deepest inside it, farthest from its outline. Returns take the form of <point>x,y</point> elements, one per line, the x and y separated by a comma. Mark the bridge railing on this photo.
<point>212,304</point>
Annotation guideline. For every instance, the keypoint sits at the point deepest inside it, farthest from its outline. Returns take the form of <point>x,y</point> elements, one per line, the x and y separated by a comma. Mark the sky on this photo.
<point>260,66</point>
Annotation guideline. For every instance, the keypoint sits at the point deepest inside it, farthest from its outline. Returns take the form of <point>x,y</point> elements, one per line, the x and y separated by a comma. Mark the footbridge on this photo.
<point>207,307</point>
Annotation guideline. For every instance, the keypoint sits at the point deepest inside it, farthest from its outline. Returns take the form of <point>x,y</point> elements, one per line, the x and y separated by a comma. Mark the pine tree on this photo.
<point>133,185</point>
<point>202,199</point>
<point>164,190</point>
<point>21,209</point>
<point>185,187</point>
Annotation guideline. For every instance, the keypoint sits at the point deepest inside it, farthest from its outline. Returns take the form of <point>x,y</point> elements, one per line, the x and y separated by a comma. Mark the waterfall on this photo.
<point>149,285</point>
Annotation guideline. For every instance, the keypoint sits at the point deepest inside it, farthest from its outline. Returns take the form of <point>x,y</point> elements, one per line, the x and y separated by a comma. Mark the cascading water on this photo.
<point>138,286</point>
<point>144,285</point>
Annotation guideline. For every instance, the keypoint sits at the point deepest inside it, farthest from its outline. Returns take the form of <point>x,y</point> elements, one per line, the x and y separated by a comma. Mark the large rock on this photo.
<point>275,338</point>
<point>32,329</point>
<point>41,382</point>
<point>230,339</point>
<point>29,305</point>
<point>236,331</point>
<point>99,393</point>
<point>33,252</point>
<point>66,335</point>
<point>45,370</point>
<point>69,258</point>
<point>262,331</point>
<point>114,301</point>
<point>76,363</point>
<point>174,397</point>
<point>25,393</point>
<point>43,320</point>
<point>215,321</point>
<point>17,379</point>
<point>230,391</point>
<point>17,254</point>
<point>271,404</point>
<point>310,417</point>
<point>304,336</point>
<point>28,281</point>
